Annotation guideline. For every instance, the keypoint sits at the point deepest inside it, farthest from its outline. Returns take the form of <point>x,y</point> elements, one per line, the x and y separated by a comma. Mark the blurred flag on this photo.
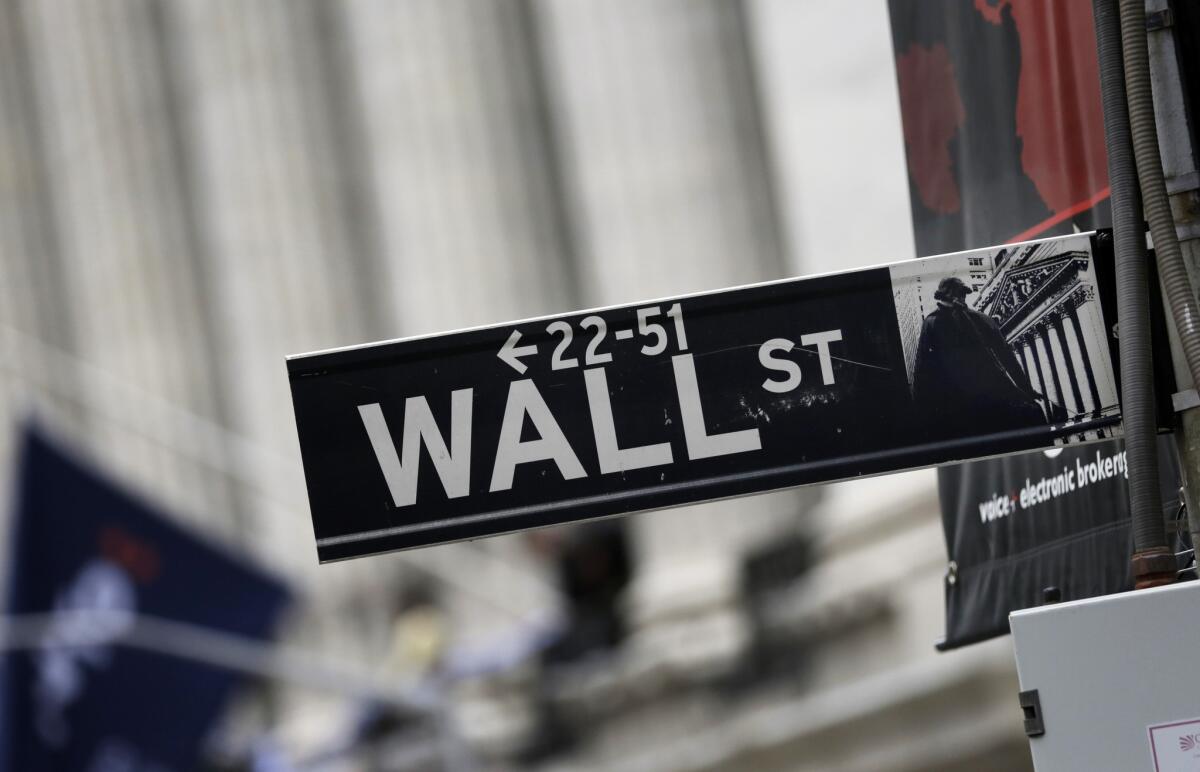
<point>82,544</point>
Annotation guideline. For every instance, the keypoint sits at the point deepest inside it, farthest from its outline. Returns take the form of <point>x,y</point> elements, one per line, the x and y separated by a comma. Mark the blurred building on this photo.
<point>192,189</point>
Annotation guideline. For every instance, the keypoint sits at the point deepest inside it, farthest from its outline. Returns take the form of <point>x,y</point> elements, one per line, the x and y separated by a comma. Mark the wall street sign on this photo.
<point>605,412</point>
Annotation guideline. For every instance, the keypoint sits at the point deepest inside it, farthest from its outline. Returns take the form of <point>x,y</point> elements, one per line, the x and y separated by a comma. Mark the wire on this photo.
<point>91,628</point>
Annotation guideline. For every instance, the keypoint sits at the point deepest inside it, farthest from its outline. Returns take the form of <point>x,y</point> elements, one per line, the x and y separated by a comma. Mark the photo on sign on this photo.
<point>1010,338</point>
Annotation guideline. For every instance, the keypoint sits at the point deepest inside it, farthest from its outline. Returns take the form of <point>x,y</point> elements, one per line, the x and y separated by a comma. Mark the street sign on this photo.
<point>606,412</point>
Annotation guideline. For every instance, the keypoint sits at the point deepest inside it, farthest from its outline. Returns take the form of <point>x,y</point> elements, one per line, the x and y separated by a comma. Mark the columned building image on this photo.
<point>1044,299</point>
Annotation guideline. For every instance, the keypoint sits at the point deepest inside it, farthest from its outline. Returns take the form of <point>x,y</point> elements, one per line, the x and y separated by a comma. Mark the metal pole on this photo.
<point>1153,561</point>
<point>1182,184</point>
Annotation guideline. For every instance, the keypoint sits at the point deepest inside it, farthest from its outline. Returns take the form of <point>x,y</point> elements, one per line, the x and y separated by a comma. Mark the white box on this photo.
<point>1117,678</point>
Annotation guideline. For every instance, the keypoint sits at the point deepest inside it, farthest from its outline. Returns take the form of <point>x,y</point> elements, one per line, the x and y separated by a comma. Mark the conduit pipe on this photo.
<point>1153,562</point>
<point>1171,269</point>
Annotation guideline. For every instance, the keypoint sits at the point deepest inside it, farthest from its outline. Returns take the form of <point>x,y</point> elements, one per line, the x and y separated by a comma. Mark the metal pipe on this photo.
<point>1153,563</point>
<point>1144,131</point>
<point>1179,294</point>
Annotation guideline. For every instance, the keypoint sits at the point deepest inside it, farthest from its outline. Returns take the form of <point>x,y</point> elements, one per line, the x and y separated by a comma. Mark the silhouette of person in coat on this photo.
<point>966,379</point>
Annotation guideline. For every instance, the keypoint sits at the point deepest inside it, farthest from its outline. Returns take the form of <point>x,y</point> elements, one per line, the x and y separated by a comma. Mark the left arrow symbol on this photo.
<point>510,353</point>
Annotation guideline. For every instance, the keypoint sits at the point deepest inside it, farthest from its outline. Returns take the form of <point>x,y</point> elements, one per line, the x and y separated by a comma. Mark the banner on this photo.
<point>82,544</point>
<point>1004,136</point>
<point>1020,525</point>
<point>720,394</point>
<point>1003,126</point>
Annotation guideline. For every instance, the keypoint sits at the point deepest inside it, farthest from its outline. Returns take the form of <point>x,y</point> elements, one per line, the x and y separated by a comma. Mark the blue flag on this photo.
<point>82,544</point>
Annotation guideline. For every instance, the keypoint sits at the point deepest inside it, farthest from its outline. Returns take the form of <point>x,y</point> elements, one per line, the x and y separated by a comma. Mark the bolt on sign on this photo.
<point>605,412</point>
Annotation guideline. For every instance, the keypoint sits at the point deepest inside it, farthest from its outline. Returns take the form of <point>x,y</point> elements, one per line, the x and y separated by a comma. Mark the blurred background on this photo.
<point>190,190</point>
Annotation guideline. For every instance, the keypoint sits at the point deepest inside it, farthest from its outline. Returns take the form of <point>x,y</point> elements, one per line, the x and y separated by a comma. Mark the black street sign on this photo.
<point>611,411</point>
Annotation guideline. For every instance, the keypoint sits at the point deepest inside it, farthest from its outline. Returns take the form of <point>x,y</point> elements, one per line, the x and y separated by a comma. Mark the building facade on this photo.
<point>1045,303</point>
<point>191,190</point>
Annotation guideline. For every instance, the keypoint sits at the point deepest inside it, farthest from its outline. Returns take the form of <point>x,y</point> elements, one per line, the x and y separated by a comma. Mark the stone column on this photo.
<point>464,166</point>
<point>472,225</point>
<point>1085,359</point>
<point>1027,359</point>
<point>1043,385</point>
<point>668,183</point>
<point>35,331</point>
<point>282,263</point>
<point>1020,355</point>
<point>1051,364</point>
<point>130,266</point>
<point>822,197</point>
<point>662,147</point>
<point>1069,362</point>
<point>1095,333</point>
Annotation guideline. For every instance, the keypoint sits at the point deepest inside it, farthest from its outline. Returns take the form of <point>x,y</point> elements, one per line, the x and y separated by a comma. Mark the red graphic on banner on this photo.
<point>1077,208</point>
<point>933,111</point>
<point>1059,116</point>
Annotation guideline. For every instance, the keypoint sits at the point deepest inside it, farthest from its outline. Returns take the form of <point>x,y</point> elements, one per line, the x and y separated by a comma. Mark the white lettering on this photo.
<point>700,443</point>
<point>822,340</point>
<point>995,508</point>
<point>453,465</point>
<point>524,399</point>
<point>782,365</point>
<point>614,458</point>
